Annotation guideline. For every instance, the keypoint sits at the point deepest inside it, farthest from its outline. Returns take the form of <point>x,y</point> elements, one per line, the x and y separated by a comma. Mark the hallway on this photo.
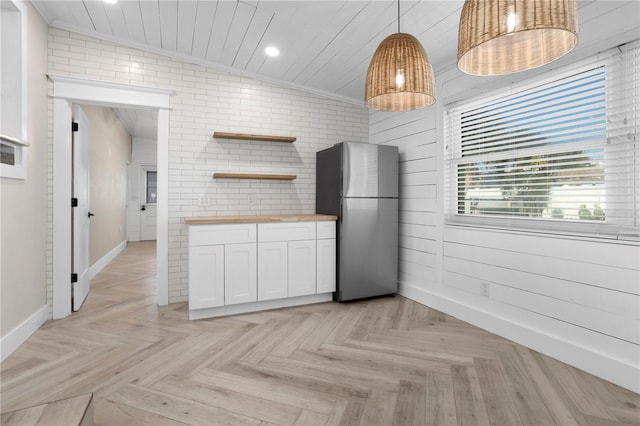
<point>378,362</point>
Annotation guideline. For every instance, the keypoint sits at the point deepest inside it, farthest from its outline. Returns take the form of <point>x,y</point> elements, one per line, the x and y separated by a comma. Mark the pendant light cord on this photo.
<point>398,15</point>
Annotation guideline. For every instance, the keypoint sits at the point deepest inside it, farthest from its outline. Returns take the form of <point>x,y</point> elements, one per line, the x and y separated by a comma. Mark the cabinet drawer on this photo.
<point>204,235</point>
<point>326,229</point>
<point>289,231</point>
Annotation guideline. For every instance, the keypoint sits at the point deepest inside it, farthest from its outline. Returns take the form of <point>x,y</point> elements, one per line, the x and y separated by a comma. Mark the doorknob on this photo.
<point>90,214</point>
<point>143,208</point>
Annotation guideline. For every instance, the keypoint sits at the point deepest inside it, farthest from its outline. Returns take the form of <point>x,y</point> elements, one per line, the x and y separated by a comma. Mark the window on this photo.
<point>151,184</point>
<point>559,156</point>
<point>13,104</point>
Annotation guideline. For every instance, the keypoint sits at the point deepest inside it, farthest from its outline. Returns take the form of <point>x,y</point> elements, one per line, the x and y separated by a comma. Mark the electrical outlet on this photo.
<point>203,201</point>
<point>484,288</point>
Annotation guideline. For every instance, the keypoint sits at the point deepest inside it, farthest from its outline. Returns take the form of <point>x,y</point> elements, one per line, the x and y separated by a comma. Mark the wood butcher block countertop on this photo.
<point>203,220</point>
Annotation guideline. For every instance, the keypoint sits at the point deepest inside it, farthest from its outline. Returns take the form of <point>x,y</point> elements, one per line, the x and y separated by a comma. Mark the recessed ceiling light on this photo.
<point>272,51</point>
<point>110,1</point>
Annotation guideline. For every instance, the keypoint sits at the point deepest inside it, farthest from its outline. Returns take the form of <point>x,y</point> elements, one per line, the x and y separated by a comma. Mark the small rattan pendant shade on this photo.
<point>502,37</point>
<point>399,54</point>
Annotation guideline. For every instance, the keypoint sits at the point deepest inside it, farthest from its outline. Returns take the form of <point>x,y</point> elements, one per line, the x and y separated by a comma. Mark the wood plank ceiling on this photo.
<point>325,46</point>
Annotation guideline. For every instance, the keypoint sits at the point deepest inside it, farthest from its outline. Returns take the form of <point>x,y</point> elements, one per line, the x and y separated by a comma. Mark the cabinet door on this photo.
<point>301,267</point>
<point>272,270</point>
<point>326,267</point>
<point>206,276</point>
<point>240,269</point>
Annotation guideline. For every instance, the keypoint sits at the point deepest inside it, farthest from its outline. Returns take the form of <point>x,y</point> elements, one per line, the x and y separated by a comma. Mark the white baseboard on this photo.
<point>597,363</point>
<point>106,259</point>
<point>20,334</point>
<point>243,308</point>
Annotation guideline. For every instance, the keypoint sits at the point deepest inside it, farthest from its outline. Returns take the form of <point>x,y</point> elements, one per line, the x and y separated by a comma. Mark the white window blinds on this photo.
<point>558,156</point>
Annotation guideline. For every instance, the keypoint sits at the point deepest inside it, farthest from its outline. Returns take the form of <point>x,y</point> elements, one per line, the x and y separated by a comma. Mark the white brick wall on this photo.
<point>206,100</point>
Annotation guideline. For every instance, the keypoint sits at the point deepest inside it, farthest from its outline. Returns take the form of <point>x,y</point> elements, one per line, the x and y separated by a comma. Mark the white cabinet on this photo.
<point>240,280</point>
<point>272,270</point>
<point>243,267</point>
<point>222,265</point>
<point>326,230</point>
<point>206,276</point>
<point>301,267</point>
<point>288,259</point>
<point>326,266</point>
<point>326,257</point>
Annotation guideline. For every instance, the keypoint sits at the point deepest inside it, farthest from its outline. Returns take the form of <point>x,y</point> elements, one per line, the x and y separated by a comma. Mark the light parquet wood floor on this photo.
<point>388,361</point>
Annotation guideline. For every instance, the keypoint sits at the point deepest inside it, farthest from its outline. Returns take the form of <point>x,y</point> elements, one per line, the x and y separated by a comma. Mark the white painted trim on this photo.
<point>244,308</point>
<point>67,91</point>
<point>111,94</point>
<point>15,141</point>
<point>192,60</point>
<point>100,264</point>
<point>162,208</point>
<point>24,42</point>
<point>599,364</point>
<point>20,334</point>
<point>24,89</point>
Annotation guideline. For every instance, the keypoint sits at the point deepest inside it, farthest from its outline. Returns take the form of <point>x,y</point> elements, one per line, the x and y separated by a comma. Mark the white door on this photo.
<point>240,273</point>
<point>148,214</point>
<point>272,270</point>
<point>302,268</point>
<point>81,214</point>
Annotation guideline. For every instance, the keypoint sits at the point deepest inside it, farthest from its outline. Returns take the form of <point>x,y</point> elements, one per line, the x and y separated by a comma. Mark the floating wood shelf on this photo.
<point>246,136</point>
<point>252,176</point>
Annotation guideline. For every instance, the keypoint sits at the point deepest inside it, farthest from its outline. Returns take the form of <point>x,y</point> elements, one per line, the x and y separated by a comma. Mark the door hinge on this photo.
<point>74,278</point>
<point>74,202</point>
<point>74,126</point>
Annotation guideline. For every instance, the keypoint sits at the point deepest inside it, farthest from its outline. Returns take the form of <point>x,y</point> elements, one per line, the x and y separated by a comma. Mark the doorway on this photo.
<point>66,92</point>
<point>102,151</point>
<point>149,197</point>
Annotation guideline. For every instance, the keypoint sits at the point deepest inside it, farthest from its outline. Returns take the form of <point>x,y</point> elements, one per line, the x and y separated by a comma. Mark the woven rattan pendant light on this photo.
<point>506,36</point>
<point>400,77</point>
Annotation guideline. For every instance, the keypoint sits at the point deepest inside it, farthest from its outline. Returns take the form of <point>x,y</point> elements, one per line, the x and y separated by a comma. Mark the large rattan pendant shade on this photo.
<point>400,77</point>
<point>506,36</point>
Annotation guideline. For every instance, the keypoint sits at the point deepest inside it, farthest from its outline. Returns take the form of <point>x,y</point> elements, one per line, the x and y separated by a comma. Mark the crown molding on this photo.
<point>196,61</point>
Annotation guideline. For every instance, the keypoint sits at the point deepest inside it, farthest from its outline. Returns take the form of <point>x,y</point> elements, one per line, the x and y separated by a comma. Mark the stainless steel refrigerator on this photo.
<point>358,182</point>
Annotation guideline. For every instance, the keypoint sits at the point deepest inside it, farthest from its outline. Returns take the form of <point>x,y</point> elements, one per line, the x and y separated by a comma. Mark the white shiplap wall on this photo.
<point>576,299</point>
<point>206,100</point>
<point>415,135</point>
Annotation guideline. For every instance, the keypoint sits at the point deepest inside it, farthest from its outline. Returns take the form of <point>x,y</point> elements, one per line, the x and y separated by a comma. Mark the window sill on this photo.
<point>13,140</point>
<point>625,239</point>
